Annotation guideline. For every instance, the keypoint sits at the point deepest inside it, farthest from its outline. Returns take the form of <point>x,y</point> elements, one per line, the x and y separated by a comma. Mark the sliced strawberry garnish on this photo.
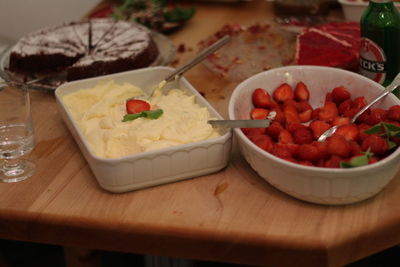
<point>340,94</point>
<point>136,106</point>
<point>261,98</point>
<point>283,92</point>
<point>301,92</point>
<point>259,113</point>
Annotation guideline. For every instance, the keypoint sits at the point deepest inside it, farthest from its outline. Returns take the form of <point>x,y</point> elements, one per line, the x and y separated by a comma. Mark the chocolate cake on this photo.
<point>84,49</point>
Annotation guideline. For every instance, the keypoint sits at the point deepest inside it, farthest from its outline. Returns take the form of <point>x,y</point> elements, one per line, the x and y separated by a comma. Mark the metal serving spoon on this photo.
<point>244,123</point>
<point>395,83</point>
<point>197,59</point>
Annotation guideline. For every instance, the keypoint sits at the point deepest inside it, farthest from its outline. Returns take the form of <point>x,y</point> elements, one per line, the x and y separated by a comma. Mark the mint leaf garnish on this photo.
<point>361,160</point>
<point>152,115</point>
<point>374,129</point>
<point>391,144</point>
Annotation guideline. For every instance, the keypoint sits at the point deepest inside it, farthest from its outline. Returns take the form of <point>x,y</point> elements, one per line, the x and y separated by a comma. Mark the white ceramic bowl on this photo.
<point>153,167</point>
<point>314,184</point>
<point>353,10</point>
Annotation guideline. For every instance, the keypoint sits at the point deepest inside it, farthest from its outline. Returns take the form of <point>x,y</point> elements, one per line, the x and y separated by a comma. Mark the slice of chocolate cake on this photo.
<point>116,46</point>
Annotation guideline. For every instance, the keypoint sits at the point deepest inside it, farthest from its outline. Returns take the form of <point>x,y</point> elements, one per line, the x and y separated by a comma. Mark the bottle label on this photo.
<point>372,61</point>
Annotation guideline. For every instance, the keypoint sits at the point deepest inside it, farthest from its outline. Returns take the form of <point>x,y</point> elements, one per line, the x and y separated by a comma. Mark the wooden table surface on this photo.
<point>230,216</point>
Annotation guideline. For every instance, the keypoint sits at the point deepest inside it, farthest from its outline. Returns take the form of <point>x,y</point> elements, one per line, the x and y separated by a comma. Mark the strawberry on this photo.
<point>303,106</point>
<point>341,121</point>
<point>302,136</point>
<point>350,132</point>
<point>301,92</point>
<point>359,102</point>
<point>322,148</point>
<point>355,149</point>
<point>363,127</point>
<point>285,137</point>
<point>294,126</point>
<point>315,114</point>
<point>136,106</point>
<point>319,127</point>
<point>305,116</point>
<point>329,112</point>
<point>375,144</point>
<point>280,116</point>
<point>372,160</point>
<point>337,145</point>
<point>351,112</point>
<point>376,116</point>
<point>274,129</point>
<point>394,113</point>
<point>263,141</point>
<point>283,92</point>
<point>251,132</point>
<point>294,148</point>
<point>261,98</point>
<point>281,151</point>
<point>340,94</point>
<point>309,152</point>
<point>290,102</point>
<point>333,162</point>
<point>328,97</point>
<point>291,115</point>
<point>259,113</point>
<point>345,106</point>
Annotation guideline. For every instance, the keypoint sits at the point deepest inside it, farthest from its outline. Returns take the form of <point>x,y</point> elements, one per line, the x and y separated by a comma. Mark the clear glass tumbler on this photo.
<point>16,132</point>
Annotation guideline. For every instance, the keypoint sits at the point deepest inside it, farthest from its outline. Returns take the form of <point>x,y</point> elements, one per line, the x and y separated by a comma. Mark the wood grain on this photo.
<point>230,216</point>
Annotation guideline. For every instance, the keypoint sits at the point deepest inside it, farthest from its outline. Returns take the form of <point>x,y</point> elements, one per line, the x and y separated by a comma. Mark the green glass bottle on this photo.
<point>380,42</point>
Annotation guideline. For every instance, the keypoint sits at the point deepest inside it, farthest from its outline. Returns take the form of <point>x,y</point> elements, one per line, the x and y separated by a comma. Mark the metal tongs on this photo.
<point>244,123</point>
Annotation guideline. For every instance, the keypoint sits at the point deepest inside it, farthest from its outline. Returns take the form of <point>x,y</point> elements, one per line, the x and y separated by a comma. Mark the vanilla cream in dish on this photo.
<point>99,112</point>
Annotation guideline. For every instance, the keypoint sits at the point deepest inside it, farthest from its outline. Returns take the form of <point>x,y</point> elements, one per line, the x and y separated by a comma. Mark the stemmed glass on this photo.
<point>16,132</point>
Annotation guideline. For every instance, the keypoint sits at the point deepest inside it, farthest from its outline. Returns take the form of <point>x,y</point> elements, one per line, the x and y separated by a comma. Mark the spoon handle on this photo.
<point>393,85</point>
<point>202,55</point>
<point>240,123</point>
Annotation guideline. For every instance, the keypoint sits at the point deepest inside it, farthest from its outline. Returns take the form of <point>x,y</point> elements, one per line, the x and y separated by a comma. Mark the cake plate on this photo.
<point>166,54</point>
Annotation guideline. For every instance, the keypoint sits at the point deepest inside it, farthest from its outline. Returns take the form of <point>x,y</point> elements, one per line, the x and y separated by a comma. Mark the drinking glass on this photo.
<point>16,132</point>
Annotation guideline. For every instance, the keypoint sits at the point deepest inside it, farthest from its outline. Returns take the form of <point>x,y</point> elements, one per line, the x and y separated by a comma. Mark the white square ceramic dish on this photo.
<point>154,167</point>
<point>353,10</point>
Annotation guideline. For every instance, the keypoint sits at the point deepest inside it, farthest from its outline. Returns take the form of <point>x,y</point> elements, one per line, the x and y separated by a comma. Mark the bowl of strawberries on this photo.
<point>354,164</point>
